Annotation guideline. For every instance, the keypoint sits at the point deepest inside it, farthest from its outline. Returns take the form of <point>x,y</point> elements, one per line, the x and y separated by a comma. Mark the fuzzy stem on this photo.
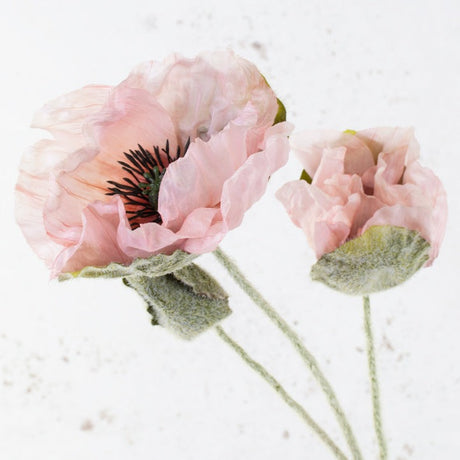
<point>292,403</point>
<point>374,380</point>
<point>307,357</point>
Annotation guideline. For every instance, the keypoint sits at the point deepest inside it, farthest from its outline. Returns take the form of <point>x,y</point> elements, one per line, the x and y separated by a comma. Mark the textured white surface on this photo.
<point>84,375</point>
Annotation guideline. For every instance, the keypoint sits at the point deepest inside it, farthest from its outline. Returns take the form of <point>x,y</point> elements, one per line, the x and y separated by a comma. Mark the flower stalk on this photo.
<point>292,403</point>
<point>307,357</point>
<point>374,380</point>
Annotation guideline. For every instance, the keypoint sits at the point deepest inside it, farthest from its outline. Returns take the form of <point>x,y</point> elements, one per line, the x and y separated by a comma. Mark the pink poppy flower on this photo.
<point>171,158</point>
<point>357,180</point>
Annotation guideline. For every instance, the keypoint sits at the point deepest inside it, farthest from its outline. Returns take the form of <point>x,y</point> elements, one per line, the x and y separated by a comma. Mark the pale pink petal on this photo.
<point>31,194</point>
<point>329,235</point>
<point>202,231</point>
<point>336,225</point>
<point>328,221</point>
<point>208,243</point>
<point>388,140</point>
<point>368,206</point>
<point>418,187</point>
<point>196,181</point>
<point>342,186</point>
<point>368,179</point>
<point>332,163</point>
<point>130,116</point>
<point>65,116</point>
<point>359,157</point>
<point>250,181</point>
<point>204,94</point>
<point>98,243</point>
<point>309,145</point>
<point>146,240</point>
<point>297,200</point>
<point>388,178</point>
<point>198,222</point>
<point>62,223</point>
<point>435,198</point>
<point>310,209</point>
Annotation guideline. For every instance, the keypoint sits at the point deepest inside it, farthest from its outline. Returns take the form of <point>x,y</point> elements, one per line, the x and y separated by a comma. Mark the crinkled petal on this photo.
<point>388,140</point>
<point>98,243</point>
<point>196,181</point>
<point>65,116</point>
<point>146,240</point>
<point>435,198</point>
<point>310,144</point>
<point>209,242</point>
<point>342,186</point>
<point>329,235</point>
<point>331,164</point>
<point>205,93</point>
<point>249,182</point>
<point>130,116</point>
<point>308,207</point>
<point>327,220</point>
<point>31,194</point>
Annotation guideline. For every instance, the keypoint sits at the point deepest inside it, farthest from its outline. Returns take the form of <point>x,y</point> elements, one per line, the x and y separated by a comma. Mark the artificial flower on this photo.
<point>353,181</point>
<point>169,159</point>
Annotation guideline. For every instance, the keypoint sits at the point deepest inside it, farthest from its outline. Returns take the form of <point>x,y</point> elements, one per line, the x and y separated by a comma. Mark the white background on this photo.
<point>82,373</point>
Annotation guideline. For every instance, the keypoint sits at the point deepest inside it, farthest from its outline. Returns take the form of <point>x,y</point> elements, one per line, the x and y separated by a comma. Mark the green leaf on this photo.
<point>382,257</point>
<point>281,114</point>
<point>306,177</point>
<point>200,282</point>
<point>152,266</point>
<point>187,302</point>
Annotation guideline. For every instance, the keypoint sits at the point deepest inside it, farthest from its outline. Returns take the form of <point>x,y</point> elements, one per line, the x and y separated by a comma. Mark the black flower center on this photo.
<point>140,188</point>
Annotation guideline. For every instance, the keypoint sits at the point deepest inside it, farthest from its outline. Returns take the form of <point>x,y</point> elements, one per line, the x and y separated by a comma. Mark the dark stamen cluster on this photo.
<point>140,188</point>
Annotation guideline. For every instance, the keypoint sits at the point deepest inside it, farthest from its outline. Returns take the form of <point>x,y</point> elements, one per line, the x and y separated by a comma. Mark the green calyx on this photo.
<point>306,177</point>
<point>158,265</point>
<point>281,114</point>
<point>382,257</point>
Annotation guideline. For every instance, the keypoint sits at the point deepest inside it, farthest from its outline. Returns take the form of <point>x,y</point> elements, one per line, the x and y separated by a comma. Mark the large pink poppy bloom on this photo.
<point>171,158</point>
<point>361,179</point>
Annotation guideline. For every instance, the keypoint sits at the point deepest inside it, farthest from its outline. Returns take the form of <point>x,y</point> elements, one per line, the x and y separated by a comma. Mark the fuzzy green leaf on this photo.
<point>187,302</point>
<point>152,266</point>
<point>382,257</point>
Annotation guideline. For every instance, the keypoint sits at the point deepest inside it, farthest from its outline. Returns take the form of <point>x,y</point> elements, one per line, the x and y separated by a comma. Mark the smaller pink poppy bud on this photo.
<point>370,211</point>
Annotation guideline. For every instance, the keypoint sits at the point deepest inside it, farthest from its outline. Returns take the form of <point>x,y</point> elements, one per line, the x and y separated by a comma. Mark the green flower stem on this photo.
<point>373,378</point>
<point>308,358</point>
<point>292,403</point>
